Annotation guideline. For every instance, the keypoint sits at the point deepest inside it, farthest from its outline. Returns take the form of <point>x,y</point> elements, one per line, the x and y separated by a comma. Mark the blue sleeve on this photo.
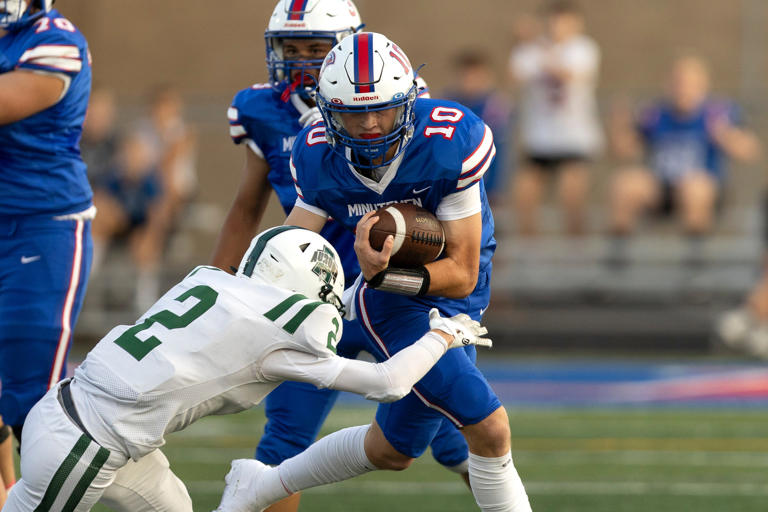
<point>236,119</point>
<point>56,46</point>
<point>298,165</point>
<point>5,64</point>
<point>478,150</point>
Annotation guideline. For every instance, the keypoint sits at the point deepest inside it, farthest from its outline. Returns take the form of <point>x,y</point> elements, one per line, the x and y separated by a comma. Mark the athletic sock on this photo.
<point>335,457</point>
<point>496,485</point>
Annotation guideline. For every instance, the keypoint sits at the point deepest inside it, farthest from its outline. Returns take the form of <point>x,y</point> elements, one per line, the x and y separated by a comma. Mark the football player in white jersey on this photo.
<point>214,344</point>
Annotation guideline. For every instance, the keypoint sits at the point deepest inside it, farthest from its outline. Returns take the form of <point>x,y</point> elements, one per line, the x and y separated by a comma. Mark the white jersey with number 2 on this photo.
<point>198,351</point>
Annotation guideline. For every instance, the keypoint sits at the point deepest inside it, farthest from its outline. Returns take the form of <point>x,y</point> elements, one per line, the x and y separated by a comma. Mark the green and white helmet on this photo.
<point>296,259</point>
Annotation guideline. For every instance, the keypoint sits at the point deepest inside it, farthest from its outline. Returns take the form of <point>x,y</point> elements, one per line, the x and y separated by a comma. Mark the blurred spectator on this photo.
<point>99,142</point>
<point>475,87</point>
<point>560,132</point>
<point>145,188</point>
<point>173,145</point>
<point>685,139</point>
<point>129,201</point>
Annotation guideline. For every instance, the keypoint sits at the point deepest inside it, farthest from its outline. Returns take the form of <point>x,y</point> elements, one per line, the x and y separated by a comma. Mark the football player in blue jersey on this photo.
<point>45,199</point>
<point>378,145</point>
<point>265,118</point>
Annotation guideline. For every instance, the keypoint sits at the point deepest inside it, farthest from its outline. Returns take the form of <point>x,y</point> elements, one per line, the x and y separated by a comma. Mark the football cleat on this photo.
<point>241,484</point>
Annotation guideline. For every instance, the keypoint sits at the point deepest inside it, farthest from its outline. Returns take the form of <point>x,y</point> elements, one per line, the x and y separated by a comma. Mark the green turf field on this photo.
<point>570,460</point>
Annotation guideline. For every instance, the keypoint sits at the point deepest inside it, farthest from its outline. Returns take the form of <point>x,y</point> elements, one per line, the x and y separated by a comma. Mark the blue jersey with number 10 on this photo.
<point>259,118</point>
<point>41,171</point>
<point>450,151</point>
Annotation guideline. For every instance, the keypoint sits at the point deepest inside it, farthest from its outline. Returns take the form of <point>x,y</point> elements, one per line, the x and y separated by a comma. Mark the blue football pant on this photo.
<point>290,429</point>
<point>454,388</point>
<point>44,267</point>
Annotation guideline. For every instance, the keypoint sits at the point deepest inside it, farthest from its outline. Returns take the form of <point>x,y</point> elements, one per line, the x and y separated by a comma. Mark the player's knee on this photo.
<point>389,459</point>
<point>491,436</point>
<point>381,453</point>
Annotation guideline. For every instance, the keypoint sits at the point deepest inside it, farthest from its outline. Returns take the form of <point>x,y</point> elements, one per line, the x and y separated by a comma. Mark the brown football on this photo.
<point>419,236</point>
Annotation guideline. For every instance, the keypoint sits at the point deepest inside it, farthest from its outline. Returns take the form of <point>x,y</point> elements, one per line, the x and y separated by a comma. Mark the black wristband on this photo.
<point>403,281</point>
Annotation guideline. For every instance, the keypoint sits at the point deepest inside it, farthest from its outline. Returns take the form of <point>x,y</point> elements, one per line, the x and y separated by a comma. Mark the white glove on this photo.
<point>464,330</point>
<point>310,117</point>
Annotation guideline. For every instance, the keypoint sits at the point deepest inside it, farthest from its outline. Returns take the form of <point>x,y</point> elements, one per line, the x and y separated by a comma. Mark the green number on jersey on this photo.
<point>332,335</point>
<point>138,349</point>
<point>294,323</point>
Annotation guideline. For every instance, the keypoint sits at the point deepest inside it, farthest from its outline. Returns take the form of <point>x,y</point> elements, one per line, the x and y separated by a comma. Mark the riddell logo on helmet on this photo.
<point>296,25</point>
<point>365,98</point>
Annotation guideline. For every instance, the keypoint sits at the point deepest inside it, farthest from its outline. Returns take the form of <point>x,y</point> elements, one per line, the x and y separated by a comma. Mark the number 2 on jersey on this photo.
<point>332,336</point>
<point>138,349</point>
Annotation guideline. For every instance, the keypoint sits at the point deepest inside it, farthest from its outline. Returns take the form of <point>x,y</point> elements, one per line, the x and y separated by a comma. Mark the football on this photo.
<point>419,236</point>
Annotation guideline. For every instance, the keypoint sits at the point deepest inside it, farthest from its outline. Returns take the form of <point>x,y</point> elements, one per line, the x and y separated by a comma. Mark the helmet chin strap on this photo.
<point>286,94</point>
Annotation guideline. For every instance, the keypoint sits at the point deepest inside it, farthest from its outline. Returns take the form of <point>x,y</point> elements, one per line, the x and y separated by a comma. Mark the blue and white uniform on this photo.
<point>268,125</point>
<point>259,118</point>
<point>440,168</point>
<point>45,212</point>
<point>676,144</point>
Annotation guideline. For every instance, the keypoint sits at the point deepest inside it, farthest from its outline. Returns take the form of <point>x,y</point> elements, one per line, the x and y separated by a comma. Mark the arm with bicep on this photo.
<point>25,93</point>
<point>306,217</point>
<point>383,382</point>
<point>245,214</point>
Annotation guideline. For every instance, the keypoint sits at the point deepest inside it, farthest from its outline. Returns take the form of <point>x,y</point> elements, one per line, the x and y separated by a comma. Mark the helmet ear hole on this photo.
<point>303,247</point>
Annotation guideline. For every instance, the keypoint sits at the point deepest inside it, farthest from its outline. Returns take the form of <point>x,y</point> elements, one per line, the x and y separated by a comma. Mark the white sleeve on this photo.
<point>255,148</point>
<point>460,205</point>
<point>383,382</point>
<point>287,364</point>
<point>310,208</point>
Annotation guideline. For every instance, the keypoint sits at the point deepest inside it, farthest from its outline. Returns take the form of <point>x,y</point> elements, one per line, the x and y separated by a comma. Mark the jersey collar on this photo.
<point>377,186</point>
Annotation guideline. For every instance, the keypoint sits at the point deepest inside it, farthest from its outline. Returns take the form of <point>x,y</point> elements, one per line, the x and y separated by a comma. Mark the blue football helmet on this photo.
<point>15,14</point>
<point>330,20</point>
<point>367,72</point>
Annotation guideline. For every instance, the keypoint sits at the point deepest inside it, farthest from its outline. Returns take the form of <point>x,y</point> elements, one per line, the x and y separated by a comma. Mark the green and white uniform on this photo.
<point>214,344</point>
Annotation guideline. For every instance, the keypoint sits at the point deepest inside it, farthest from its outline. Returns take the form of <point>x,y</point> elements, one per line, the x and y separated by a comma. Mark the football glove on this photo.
<point>464,330</point>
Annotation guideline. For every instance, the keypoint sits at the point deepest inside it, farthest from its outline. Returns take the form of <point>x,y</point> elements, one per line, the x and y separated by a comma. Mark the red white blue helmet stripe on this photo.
<point>363,45</point>
<point>297,10</point>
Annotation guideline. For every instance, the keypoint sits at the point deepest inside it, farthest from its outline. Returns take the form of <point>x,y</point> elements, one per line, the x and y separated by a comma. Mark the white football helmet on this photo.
<point>367,72</point>
<point>14,14</point>
<point>305,19</point>
<point>296,259</point>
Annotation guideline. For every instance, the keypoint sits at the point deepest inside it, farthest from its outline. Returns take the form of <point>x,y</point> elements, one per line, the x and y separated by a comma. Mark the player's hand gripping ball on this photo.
<point>418,235</point>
